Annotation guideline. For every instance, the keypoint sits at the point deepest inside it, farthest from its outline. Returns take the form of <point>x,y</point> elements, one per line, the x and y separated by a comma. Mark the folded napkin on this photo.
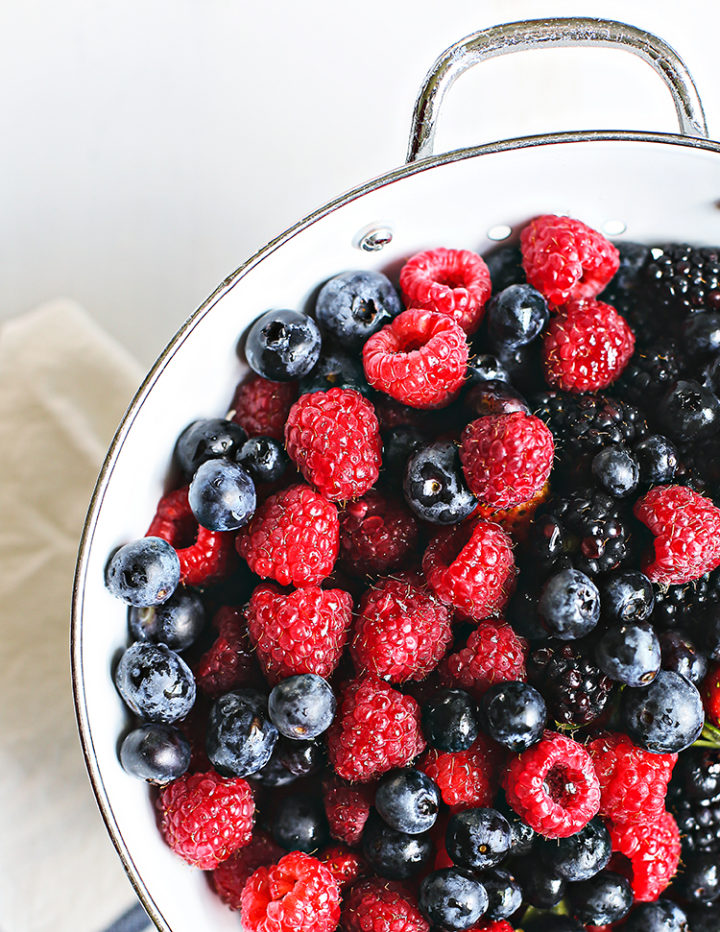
<point>64,385</point>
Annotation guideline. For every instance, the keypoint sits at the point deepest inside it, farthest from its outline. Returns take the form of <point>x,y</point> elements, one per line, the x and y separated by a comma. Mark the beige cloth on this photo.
<point>64,385</point>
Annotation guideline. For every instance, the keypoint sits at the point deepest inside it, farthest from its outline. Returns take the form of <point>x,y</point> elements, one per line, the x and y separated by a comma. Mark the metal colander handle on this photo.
<point>551,33</point>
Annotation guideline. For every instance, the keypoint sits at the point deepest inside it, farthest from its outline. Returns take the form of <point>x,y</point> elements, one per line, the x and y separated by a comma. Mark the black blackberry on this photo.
<point>505,266</point>
<point>694,798</point>
<point>699,466</point>
<point>650,372</point>
<point>575,690</point>
<point>676,606</point>
<point>684,280</point>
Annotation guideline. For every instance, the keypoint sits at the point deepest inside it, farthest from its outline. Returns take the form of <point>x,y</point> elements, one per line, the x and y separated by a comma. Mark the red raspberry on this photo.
<point>205,556</point>
<point>334,439</point>
<point>401,632</point>
<point>377,535</point>
<point>471,566</point>
<point>686,528</point>
<point>493,654</point>
<point>455,282</point>
<point>261,407</point>
<point>566,259</point>
<point>553,786</point>
<point>229,877</point>
<point>506,458</point>
<point>653,850</point>
<point>375,729</point>
<point>419,358</point>
<point>586,346</point>
<point>517,520</point>
<point>465,778</point>
<point>633,782</point>
<point>710,691</point>
<point>298,894</point>
<point>205,817</point>
<point>500,925</point>
<point>345,865</point>
<point>304,631</point>
<point>230,662</point>
<point>379,905</point>
<point>293,537</point>
<point>347,808</point>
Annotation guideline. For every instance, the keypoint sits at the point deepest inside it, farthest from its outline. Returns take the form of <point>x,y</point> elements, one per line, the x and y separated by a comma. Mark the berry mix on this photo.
<point>427,635</point>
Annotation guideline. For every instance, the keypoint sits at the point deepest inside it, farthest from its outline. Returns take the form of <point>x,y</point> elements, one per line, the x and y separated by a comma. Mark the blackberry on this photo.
<point>694,799</point>
<point>650,372</point>
<point>699,466</point>
<point>684,280</point>
<point>575,689</point>
<point>676,606</point>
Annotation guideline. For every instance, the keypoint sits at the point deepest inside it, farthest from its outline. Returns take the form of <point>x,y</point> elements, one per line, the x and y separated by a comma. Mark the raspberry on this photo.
<point>553,786</point>
<point>304,631</point>
<point>493,654</point>
<point>401,631</point>
<point>566,259</point>
<point>261,407</point>
<point>334,439</point>
<point>420,359</point>
<point>465,778</point>
<point>298,894</point>
<point>345,865</point>
<point>229,877</point>
<point>293,537</point>
<point>206,817</point>
<point>686,527</point>
<point>710,692</point>
<point>653,850</point>
<point>633,782</point>
<point>517,520</point>
<point>229,663</point>
<point>378,905</point>
<point>377,535</point>
<point>500,925</point>
<point>506,458</point>
<point>347,809</point>
<point>455,282</point>
<point>586,346</point>
<point>376,728</point>
<point>205,556</point>
<point>471,566</point>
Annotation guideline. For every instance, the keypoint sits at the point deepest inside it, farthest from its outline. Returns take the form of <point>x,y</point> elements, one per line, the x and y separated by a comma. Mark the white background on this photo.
<point>150,146</point>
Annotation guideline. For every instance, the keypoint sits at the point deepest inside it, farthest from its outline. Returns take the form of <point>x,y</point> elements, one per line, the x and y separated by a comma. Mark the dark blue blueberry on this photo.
<point>580,856</point>
<point>523,365</point>
<point>616,470</point>
<point>155,682</point>
<point>629,654</point>
<point>514,715</point>
<point>665,717</point>
<point>399,443</point>
<point>240,736</point>
<point>207,439</point>
<point>701,335</point>
<point>222,496</point>
<point>541,885</point>
<point>660,916</point>
<point>711,379</point>
<point>178,622</point>
<point>302,707</point>
<point>336,368</point>
<point>274,773</point>
<point>516,316</point>
<point>626,596</point>
<point>264,458</point>
<point>485,368</point>
<point>392,854</point>
<point>699,879</point>
<point>657,458</point>
<point>688,411</point>
<point>283,345</point>
<point>301,758</point>
<point>408,800</point>
<point>478,839</point>
<point>143,572</point>
<point>434,485</point>
<point>522,837</point>
<point>494,398</point>
<point>157,753</point>
<point>680,655</point>
<point>505,266</point>
<point>354,305</point>
<point>505,895</point>
<point>300,824</point>
<point>450,720</point>
<point>706,630</point>
<point>602,899</point>
<point>633,259</point>
<point>569,604</point>
<point>452,900</point>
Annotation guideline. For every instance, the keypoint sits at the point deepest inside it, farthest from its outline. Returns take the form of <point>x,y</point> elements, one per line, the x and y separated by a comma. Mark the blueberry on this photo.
<point>207,439</point>
<point>515,316</point>
<point>680,655</point>
<point>274,773</point>
<point>399,443</point>
<point>688,411</point>
<point>664,717</point>
<point>264,458</point>
<point>336,368</point>
<point>701,335</point>
<point>240,736</point>
<point>301,758</point>
<point>302,706</point>
<point>434,484</point>
<point>155,682</point>
<point>580,856</point>
<point>707,631</point>
<point>523,365</point>
<point>657,458</point>
<point>452,900</point>
<point>602,899</point>
<point>711,375</point>
<point>542,886</point>
<point>699,881</point>
<point>514,715</point>
<point>626,596</point>
<point>505,266</point>
<point>283,345</point>
<point>178,623</point>
<point>450,720</point>
<point>485,368</point>
<point>569,604</point>
<point>660,916</point>
<point>143,572</point>
<point>300,824</point>
<point>494,398</point>
<point>354,305</point>
<point>616,470</point>
<point>522,836</point>
<point>157,753</point>
<point>629,654</point>
<point>392,854</point>
<point>222,496</point>
<point>408,800</point>
<point>633,259</point>
<point>505,895</point>
<point>477,839</point>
